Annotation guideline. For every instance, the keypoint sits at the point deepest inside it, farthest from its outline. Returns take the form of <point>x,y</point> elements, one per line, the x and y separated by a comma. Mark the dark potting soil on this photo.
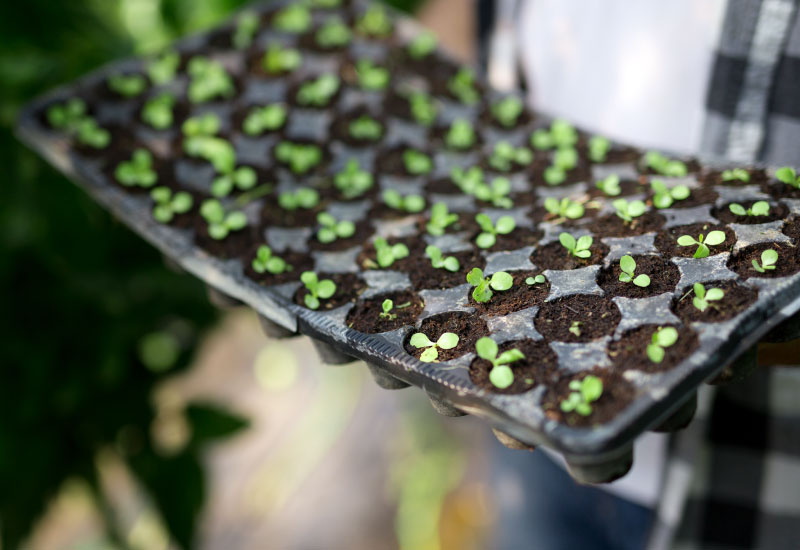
<point>667,240</point>
<point>737,299</point>
<point>621,155</point>
<point>235,245</point>
<point>556,257</point>
<point>300,262</point>
<point>791,228</point>
<point>349,287</point>
<point>443,186</point>
<point>273,215</point>
<point>390,161</point>
<point>122,143</point>
<point>469,329</point>
<point>627,188</point>
<point>381,211</point>
<point>340,128</point>
<point>617,394</point>
<point>614,226</point>
<point>539,367</point>
<point>364,231</point>
<point>424,276</point>
<point>520,296</point>
<point>630,351</point>
<point>698,196</point>
<point>366,315</point>
<point>780,190</point>
<point>788,260</point>
<point>597,317</point>
<point>664,276</point>
<point>520,237</point>
<point>397,105</point>
<point>714,177</point>
<point>724,214</point>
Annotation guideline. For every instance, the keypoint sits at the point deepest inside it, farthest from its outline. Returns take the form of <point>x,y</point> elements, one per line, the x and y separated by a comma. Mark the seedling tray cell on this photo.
<point>580,320</point>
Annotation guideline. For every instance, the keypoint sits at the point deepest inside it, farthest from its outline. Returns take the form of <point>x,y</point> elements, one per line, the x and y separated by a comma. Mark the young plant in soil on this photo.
<point>485,286</point>
<point>575,328</point>
<point>294,18</point>
<point>441,218</point>
<point>663,165</point>
<point>460,135</point>
<point>584,393</point>
<point>72,118</point>
<point>712,239</point>
<point>127,86</point>
<point>703,297</point>
<point>318,92</point>
<point>448,340</point>
<point>628,267</point>
<point>769,260</point>
<point>352,181</point>
<point>422,46</point>
<point>208,80</point>
<point>387,306</point>
<point>374,22</point>
<point>578,248</point>
<point>664,197</point>
<point>462,86</point>
<point>386,254</point>
<point>411,204</point>
<point>416,162</point>
<point>467,180</point>
<point>564,160</point>
<point>169,204</point>
<point>334,33</point>
<point>280,60</point>
<point>331,229</point>
<point>267,262</point>
<point>242,178</point>
<point>440,261</point>
<point>422,108</point>
<point>246,28</point>
<point>501,376</point>
<point>317,290</point>
<point>560,135</point>
<point>495,193</point>
<point>157,112</point>
<point>759,208</point>
<point>735,174</point>
<point>564,208</point>
<point>610,185</point>
<point>162,69</point>
<point>599,148</point>
<point>372,77</point>
<point>505,156</point>
<point>788,176</point>
<point>264,119</point>
<point>200,141</point>
<point>221,223</point>
<point>489,231</point>
<point>538,280</point>
<point>507,111</point>
<point>663,338</point>
<point>138,171</point>
<point>305,198</point>
<point>365,128</point>
<point>301,158</point>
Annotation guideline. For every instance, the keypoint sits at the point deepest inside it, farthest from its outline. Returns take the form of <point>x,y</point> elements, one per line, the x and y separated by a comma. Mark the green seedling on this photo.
<point>702,297</point>
<point>507,111</point>
<point>317,290</point>
<point>584,393</point>
<point>200,141</point>
<point>294,18</point>
<point>221,223</point>
<point>157,112</point>
<point>501,376</point>
<point>301,158</point>
<point>303,198</point>
<point>422,108</point>
<point>245,31</point>
<point>564,208</point>
<point>627,266</point>
<point>440,261</point>
<point>243,178</point>
<point>387,254</point>
<point>72,118</point>
<point>579,248</point>
<point>374,22</point>
<point>352,181</point>
<point>318,92</point>
<point>663,165</point>
<point>387,305</point>
<point>462,86</point>
<point>788,176</point>
<point>712,239</point>
<point>137,172</point>
<point>331,229</point>
<point>370,76</point>
<point>446,341</point>
<point>169,204</point>
<point>422,45</point>
<point>735,174</point>
<point>489,231</point>
<point>575,328</point>
<point>629,210</point>
<point>759,208</point>
<point>538,280</point>
<point>334,33</point>
<point>267,262</point>
<point>162,69</point>
<point>662,338</point>
<point>564,160</point>
<point>208,81</point>
<point>610,185</point>
<point>417,163</point>
<point>467,180</point>
<point>127,85</point>
<point>365,128</point>
<point>441,218</point>
<point>664,197</point>
<point>495,193</point>
<point>460,135</point>
<point>560,135</point>
<point>505,155</point>
<point>279,60</point>
<point>598,148</point>
<point>264,119</point>
<point>485,286</point>
<point>409,203</point>
<point>769,259</point>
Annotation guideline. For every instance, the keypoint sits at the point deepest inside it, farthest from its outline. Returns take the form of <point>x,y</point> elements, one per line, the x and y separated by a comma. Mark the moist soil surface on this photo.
<point>442,186</point>
<point>391,161</point>
<point>779,190</point>
<point>349,287</point>
<point>235,245</point>
<point>724,214</point>
<point>614,226</point>
<point>664,276</point>
<point>424,276</point>
<point>667,240</point>
<point>520,296</point>
<point>788,260</point>
<point>617,394</point>
<point>539,367</point>
<point>273,215</point>
<point>554,256</point>
<point>366,315</point>
<point>737,299</point>
<point>597,317</point>
<point>757,177</point>
<point>698,196</point>
<point>300,262</point>
<point>792,229</point>
<point>630,351</point>
<point>469,329</point>
<point>627,188</point>
<point>520,237</point>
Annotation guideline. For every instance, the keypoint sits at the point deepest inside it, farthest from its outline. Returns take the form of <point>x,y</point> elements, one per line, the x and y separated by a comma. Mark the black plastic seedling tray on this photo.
<point>645,398</point>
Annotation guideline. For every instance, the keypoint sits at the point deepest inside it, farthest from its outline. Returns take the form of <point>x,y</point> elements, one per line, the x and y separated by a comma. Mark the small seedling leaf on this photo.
<point>420,340</point>
<point>501,376</point>
<point>448,340</point>
<point>714,238</point>
<point>501,281</point>
<point>486,348</point>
